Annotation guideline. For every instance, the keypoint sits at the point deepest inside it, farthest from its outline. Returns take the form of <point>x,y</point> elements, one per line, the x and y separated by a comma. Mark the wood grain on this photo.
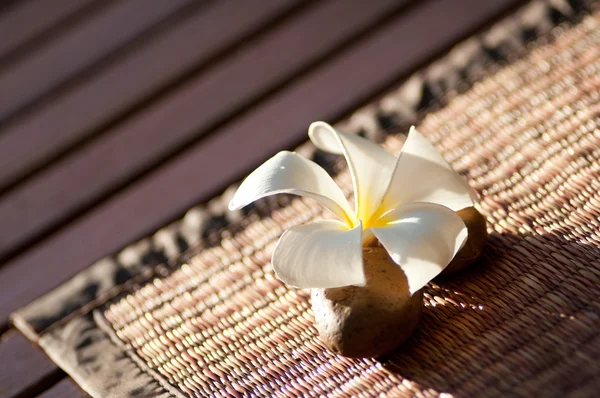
<point>78,48</point>
<point>77,113</point>
<point>23,367</point>
<point>230,85</point>
<point>226,155</point>
<point>16,28</point>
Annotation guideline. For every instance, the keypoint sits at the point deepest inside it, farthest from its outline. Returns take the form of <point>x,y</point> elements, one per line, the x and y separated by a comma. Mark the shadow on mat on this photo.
<point>523,318</point>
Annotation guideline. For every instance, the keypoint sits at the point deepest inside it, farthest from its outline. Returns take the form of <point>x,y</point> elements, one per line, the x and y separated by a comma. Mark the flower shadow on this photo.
<point>524,315</point>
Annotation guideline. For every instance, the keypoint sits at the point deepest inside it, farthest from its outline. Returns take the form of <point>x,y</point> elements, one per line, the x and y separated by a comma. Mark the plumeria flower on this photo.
<point>408,203</point>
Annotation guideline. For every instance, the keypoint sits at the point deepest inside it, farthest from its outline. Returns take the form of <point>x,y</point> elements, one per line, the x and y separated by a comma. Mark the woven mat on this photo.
<point>523,321</point>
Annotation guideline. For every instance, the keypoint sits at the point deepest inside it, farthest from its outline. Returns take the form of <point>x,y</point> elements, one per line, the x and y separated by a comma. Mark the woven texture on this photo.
<point>523,321</point>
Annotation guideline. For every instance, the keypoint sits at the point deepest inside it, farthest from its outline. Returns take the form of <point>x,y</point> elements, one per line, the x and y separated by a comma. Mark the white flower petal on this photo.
<point>288,172</point>
<point>371,165</point>
<point>422,175</point>
<point>422,238</point>
<point>323,254</point>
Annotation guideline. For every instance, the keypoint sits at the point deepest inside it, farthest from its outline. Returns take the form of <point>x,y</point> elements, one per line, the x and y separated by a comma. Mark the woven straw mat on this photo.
<point>523,321</point>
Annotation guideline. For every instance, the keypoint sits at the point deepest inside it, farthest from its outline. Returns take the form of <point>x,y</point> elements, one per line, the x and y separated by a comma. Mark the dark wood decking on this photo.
<point>118,115</point>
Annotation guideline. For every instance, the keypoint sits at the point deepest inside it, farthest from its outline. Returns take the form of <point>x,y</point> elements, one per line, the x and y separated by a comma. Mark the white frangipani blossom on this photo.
<point>407,202</point>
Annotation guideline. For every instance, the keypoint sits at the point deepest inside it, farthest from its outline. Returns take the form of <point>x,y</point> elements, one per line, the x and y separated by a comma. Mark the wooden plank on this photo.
<point>277,123</point>
<point>268,61</point>
<point>26,20</point>
<point>73,115</point>
<point>24,367</point>
<point>77,48</point>
<point>66,388</point>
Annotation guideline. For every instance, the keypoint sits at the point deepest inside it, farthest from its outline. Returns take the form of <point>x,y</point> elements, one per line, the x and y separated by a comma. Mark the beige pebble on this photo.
<point>476,226</point>
<point>372,320</point>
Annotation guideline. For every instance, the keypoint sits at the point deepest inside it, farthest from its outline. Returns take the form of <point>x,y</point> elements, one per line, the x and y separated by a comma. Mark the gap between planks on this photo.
<point>91,103</point>
<point>19,34</point>
<point>25,370</point>
<point>73,50</point>
<point>207,167</point>
<point>66,388</point>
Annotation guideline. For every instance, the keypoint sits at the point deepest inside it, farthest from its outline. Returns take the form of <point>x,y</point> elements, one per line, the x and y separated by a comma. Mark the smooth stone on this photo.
<point>476,227</point>
<point>368,321</point>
